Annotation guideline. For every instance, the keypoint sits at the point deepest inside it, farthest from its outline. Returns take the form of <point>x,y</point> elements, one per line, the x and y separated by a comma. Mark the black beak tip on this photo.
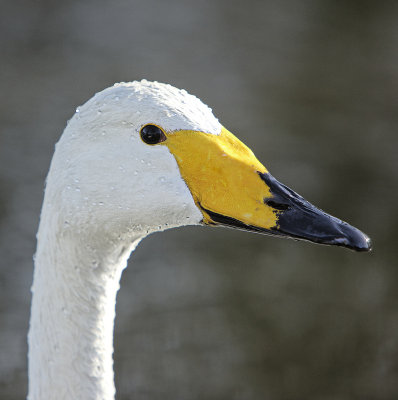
<point>354,239</point>
<point>299,219</point>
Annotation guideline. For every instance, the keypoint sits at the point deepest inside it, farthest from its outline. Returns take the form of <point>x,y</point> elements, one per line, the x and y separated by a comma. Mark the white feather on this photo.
<point>106,190</point>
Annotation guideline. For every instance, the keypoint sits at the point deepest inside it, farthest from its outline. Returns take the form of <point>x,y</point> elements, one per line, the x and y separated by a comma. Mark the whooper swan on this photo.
<point>138,158</point>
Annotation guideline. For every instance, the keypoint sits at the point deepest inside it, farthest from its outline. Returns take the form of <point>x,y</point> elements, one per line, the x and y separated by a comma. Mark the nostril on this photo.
<point>278,206</point>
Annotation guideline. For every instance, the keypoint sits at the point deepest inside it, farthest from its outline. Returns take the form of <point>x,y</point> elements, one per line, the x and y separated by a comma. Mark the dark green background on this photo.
<point>311,87</point>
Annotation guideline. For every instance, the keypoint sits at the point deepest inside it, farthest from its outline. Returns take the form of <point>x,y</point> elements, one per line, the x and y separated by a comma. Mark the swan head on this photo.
<point>144,156</point>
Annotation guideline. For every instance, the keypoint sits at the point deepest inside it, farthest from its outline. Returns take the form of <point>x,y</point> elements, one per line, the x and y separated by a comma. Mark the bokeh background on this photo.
<point>311,87</point>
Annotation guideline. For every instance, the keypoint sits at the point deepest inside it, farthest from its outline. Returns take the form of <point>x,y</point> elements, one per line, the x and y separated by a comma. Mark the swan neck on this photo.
<point>72,317</point>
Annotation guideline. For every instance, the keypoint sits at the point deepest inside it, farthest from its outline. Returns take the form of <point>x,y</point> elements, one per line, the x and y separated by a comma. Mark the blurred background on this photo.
<point>311,87</point>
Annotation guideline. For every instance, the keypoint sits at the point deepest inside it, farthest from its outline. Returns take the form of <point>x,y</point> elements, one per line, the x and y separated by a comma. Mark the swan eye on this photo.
<point>152,134</point>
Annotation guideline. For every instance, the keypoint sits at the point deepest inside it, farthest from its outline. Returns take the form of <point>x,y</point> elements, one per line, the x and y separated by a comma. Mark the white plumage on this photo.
<point>105,191</point>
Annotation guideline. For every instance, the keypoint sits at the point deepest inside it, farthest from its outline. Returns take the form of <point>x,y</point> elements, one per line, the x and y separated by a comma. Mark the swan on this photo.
<point>138,158</point>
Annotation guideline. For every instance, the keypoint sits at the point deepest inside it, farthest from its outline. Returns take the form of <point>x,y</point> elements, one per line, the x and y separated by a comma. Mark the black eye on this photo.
<point>152,134</point>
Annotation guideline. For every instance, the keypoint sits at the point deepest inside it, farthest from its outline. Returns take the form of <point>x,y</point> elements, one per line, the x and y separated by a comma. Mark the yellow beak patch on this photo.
<point>222,175</point>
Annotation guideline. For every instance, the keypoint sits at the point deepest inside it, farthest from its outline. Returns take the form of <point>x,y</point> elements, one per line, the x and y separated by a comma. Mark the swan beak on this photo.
<point>232,188</point>
<point>298,219</point>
